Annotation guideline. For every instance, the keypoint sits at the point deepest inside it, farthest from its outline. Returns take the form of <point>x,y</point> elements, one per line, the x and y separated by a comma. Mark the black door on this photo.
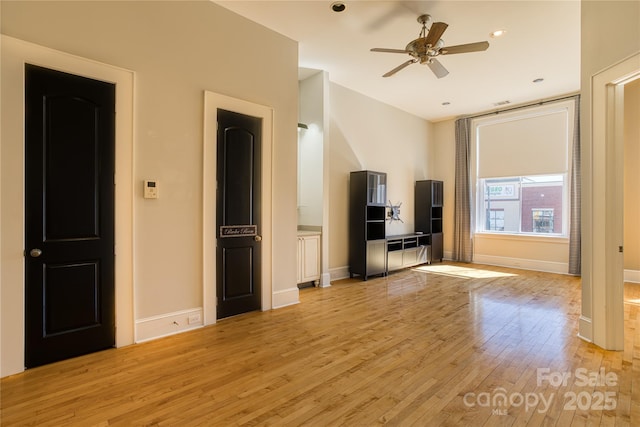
<point>69,215</point>
<point>238,213</point>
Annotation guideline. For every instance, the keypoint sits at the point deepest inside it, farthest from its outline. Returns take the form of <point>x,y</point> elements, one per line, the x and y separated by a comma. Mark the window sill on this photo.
<point>523,237</point>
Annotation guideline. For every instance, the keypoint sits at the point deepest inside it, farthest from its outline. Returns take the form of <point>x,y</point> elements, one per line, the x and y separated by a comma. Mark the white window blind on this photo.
<point>533,144</point>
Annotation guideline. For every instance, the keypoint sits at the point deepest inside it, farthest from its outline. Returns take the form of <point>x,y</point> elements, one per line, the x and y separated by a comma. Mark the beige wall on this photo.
<point>444,158</point>
<point>177,50</point>
<point>310,151</point>
<point>632,176</point>
<point>367,134</point>
<point>599,51</point>
<point>602,49</point>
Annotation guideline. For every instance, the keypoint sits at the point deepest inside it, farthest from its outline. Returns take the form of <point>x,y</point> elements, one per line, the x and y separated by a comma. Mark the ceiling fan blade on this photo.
<point>464,48</point>
<point>381,49</point>
<point>398,68</point>
<point>435,32</point>
<point>437,68</point>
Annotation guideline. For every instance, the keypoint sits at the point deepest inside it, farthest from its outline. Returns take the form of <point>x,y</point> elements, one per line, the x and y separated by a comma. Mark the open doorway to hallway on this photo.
<point>631,217</point>
<point>631,180</point>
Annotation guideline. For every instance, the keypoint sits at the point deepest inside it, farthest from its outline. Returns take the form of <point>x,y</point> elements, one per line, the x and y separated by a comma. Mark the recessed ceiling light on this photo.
<point>338,6</point>
<point>538,80</point>
<point>498,33</point>
<point>446,103</point>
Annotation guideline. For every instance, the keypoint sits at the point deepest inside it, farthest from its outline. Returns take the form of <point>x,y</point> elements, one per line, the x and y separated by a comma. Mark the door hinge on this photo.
<point>620,249</point>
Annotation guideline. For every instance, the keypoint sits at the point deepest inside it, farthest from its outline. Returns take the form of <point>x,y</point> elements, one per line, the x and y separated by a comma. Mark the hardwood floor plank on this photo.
<point>430,346</point>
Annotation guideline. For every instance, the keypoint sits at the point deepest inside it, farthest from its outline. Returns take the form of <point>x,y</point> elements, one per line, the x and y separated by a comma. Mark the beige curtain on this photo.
<point>575,261</point>
<point>462,230</point>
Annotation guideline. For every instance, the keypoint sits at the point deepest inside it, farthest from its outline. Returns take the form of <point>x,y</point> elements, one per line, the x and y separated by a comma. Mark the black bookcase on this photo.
<point>367,234</point>
<point>428,214</point>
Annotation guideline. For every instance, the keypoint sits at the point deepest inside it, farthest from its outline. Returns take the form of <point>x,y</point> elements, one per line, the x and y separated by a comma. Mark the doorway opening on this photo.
<point>603,252</point>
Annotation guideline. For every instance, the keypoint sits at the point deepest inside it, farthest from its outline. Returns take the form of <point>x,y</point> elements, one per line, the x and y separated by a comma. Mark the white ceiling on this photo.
<point>542,41</point>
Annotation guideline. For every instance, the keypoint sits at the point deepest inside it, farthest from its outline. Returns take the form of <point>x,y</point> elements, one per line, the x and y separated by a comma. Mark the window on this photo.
<point>520,165</point>
<point>542,220</point>
<point>495,218</point>
<point>522,204</point>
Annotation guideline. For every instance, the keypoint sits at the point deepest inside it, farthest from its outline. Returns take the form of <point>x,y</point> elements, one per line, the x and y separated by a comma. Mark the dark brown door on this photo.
<point>69,215</point>
<point>238,213</point>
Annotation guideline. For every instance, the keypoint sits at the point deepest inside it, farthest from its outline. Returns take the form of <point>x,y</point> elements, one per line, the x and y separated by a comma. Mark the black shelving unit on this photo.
<point>367,208</point>
<point>428,214</point>
<point>407,250</point>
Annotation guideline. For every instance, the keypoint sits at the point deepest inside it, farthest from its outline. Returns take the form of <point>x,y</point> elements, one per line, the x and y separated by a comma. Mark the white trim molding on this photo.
<point>213,102</point>
<point>154,327</point>
<point>584,329</point>
<point>602,257</point>
<point>339,273</point>
<point>286,297</point>
<point>632,276</point>
<point>15,53</point>
<point>525,264</point>
<point>325,280</point>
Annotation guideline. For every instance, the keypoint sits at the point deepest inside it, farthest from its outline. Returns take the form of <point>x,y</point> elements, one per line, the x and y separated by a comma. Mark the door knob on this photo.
<point>257,238</point>
<point>35,252</point>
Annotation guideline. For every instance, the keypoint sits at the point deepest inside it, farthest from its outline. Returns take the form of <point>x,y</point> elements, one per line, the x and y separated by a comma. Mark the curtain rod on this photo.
<point>517,107</point>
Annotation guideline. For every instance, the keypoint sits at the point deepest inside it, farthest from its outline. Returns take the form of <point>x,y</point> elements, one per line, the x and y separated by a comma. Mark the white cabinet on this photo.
<point>308,258</point>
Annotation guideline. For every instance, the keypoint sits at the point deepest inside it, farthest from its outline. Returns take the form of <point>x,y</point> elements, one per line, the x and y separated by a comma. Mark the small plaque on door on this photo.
<point>238,230</point>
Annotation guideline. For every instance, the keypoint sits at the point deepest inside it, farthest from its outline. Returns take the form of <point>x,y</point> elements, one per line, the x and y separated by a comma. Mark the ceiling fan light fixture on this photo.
<point>338,6</point>
<point>498,33</point>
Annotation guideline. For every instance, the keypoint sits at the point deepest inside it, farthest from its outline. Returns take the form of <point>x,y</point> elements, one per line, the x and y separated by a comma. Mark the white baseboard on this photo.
<point>325,280</point>
<point>167,324</point>
<point>632,276</point>
<point>585,329</point>
<point>286,297</point>
<point>339,273</point>
<point>526,264</point>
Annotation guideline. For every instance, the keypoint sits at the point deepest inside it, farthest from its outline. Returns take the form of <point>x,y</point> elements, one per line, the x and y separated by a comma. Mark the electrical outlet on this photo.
<point>194,318</point>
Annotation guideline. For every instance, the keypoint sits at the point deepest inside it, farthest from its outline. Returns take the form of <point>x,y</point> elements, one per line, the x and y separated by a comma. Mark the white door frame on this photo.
<point>604,281</point>
<point>15,53</point>
<point>213,102</point>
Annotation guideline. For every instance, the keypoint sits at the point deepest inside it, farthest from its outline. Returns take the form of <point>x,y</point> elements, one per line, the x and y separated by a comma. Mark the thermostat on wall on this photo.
<point>150,189</point>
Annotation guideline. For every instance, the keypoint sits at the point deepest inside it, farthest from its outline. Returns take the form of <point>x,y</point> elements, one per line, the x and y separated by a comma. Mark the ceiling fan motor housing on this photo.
<point>420,49</point>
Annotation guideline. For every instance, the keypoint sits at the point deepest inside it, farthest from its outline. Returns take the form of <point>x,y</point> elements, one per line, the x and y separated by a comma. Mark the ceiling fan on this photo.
<point>428,46</point>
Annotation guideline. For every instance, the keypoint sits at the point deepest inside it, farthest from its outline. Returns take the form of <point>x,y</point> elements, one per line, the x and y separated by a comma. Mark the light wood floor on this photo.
<point>433,347</point>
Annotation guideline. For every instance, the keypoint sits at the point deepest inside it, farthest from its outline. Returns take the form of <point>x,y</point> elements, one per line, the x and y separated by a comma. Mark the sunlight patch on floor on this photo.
<point>463,272</point>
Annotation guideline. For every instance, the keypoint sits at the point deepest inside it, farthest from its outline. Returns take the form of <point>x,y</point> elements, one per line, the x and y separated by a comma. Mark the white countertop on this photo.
<point>302,233</point>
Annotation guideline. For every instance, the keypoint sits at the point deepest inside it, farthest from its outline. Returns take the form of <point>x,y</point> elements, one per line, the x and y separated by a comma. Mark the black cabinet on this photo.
<point>407,250</point>
<point>428,214</point>
<point>367,208</point>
